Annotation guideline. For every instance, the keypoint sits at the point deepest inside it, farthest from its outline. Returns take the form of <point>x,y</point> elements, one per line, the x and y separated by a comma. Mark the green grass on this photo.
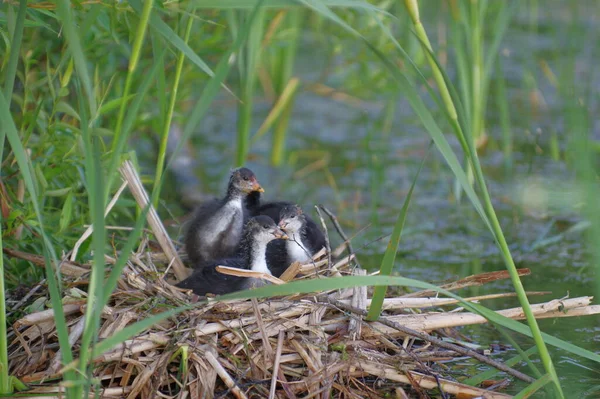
<point>74,105</point>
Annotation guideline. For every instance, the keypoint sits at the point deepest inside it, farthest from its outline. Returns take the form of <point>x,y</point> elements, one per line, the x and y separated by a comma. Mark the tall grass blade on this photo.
<point>389,258</point>
<point>131,72</point>
<point>95,292</point>
<point>132,114</point>
<point>534,387</point>
<point>283,102</point>
<point>162,151</point>
<point>5,386</point>
<point>165,30</point>
<point>53,279</point>
<point>13,61</point>
<point>64,13</point>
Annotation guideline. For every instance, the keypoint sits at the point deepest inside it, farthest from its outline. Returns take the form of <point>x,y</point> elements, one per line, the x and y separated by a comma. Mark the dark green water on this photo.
<point>339,156</point>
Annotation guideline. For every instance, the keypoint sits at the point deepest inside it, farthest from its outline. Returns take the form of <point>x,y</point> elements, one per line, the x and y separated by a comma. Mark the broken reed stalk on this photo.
<point>131,176</point>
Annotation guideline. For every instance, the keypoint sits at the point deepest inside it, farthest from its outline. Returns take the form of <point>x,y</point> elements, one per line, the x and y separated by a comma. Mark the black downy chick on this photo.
<point>216,229</point>
<point>304,240</point>
<point>271,209</point>
<point>258,232</point>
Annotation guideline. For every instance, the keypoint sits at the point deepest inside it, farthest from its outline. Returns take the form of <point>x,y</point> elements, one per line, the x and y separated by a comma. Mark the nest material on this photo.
<point>295,346</point>
<point>299,346</point>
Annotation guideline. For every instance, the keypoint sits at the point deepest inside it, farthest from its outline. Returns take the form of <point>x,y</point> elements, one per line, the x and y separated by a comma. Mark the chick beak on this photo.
<point>280,234</point>
<point>283,225</point>
<point>257,187</point>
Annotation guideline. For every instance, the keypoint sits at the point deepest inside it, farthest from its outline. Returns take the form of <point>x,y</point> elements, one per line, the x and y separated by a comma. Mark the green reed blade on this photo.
<point>281,105</point>
<point>64,13</point>
<point>131,72</point>
<point>95,187</point>
<point>132,114</point>
<point>389,258</point>
<point>162,151</point>
<point>5,386</point>
<point>13,61</point>
<point>534,387</point>
<point>52,275</point>
<point>489,374</point>
<point>165,30</point>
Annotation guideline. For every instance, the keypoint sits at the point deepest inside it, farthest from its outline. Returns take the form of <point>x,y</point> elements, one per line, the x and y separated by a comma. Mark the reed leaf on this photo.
<point>53,276</point>
<point>63,11</point>
<point>171,37</point>
<point>5,386</point>
<point>162,151</point>
<point>389,258</point>
<point>95,292</point>
<point>534,387</point>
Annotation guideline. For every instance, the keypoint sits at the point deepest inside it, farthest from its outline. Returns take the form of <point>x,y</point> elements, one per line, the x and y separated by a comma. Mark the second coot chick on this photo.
<point>216,229</point>
<point>258,232</point>
<point>304,240</point>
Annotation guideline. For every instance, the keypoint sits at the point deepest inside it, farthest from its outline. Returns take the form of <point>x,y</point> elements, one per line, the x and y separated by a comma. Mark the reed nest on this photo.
<point>298,346</point>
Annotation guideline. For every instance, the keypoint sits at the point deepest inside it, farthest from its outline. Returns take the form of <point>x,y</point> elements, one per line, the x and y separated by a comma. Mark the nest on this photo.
<point>298,346</point>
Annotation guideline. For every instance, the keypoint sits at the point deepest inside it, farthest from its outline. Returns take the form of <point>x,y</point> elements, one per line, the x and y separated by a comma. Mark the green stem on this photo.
<point>512,271</point>
<point>13,62</point>
<point>476,70</point>
<point>279,133</point>
<point>133,61</point>
<point>413,10</point>
<point>167,123</point>
<point>4,379</point>
<point>243,126</point>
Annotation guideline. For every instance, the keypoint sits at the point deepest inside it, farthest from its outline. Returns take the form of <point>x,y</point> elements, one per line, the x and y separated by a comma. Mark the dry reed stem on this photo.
<point>425,381</point>
<point>476,280</point>
<point>428,322</point>
<point>137,189</point>
<point>414,303</point>
<point>225,376</point>
<point>234,271</point>
<point>276,364</point>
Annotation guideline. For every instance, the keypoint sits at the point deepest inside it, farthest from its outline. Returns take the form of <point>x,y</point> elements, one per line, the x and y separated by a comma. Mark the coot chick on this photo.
<point>304,240</point>
<point>216,229</point>
<point>258,232</point>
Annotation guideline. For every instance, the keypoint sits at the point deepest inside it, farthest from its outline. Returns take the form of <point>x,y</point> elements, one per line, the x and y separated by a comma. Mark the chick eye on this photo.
<point>293,216</point>
<point>266,226</point>
<point>246,178</point>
